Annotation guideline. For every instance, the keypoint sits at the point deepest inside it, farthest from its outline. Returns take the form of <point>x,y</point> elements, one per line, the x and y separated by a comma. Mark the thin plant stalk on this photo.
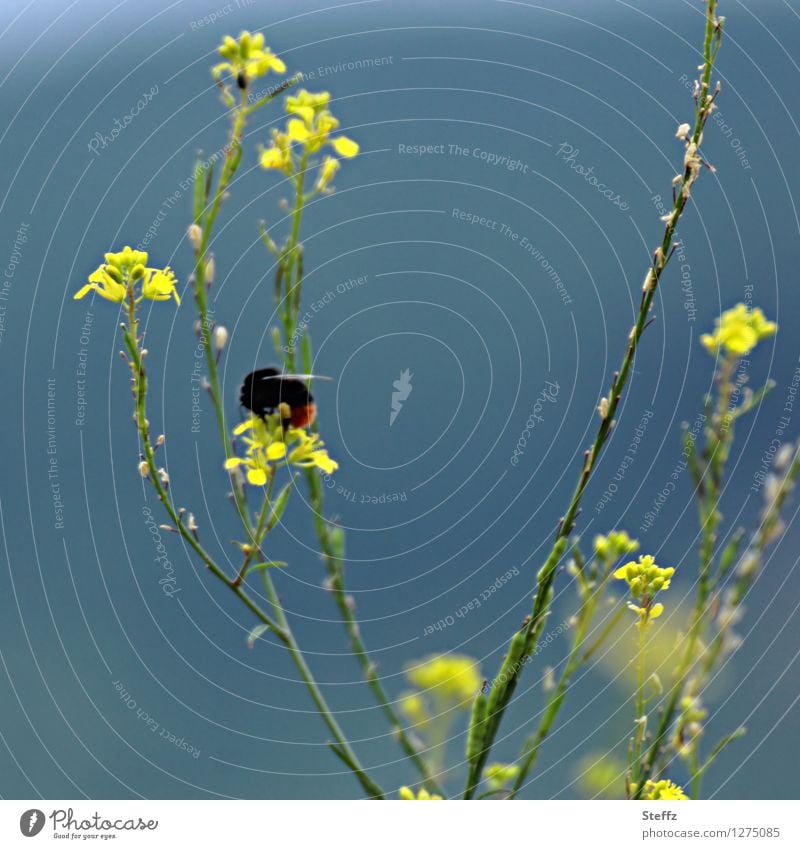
<point>289,281</point>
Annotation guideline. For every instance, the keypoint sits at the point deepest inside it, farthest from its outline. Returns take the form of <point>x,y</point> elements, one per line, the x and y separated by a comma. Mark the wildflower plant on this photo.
<point>266,460</point>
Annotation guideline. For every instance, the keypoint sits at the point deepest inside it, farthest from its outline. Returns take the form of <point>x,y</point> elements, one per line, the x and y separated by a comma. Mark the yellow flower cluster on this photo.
<point>663,791</point>
<point>500,775</point>
<point>615,545</point>
<point>738,331</point>
<point>445,685</point>
<point>423,796</point>
<point>269,445</point>
<point>311,127</point>
<point>246,58</point>
<point>126,273</point>
<point>448,678</point>
<point>644,580</point>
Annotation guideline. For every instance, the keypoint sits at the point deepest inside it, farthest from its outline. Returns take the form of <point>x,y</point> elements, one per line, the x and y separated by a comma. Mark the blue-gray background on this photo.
<point>476,317</point>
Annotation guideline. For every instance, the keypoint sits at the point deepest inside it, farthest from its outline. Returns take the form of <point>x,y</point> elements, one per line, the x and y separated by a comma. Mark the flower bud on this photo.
<point>784,456</point>
<point>114,273</point>
<point>220,338</point>
<point>195,235</point>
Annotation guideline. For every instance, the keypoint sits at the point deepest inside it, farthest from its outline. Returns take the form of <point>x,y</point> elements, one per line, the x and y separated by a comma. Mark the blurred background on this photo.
<point>463,245</point>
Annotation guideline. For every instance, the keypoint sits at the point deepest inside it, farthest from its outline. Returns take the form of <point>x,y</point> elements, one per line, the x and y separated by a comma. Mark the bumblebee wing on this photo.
<point>294,377</point>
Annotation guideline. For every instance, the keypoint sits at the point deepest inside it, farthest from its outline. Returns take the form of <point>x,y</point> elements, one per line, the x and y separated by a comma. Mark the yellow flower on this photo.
<point>118,278</point>
<point>307,105</point>
<point>644,580</point>
<point>413,706</point>
<point>499,775</point>
<point>450,678</point>
<point>279,156</point>
<point>664,791</point>
<point>314,124</point>
<point>310,452</point>
<point>738,330</point>
<point>423,796</point>
<point>327,171</point>
<point>268,446</point>
<point>104,284</point>
<point>159,285</point>
<point>247,58</point>
<point>647,614</point>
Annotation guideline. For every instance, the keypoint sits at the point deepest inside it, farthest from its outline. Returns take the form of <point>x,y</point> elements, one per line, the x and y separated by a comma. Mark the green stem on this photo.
<point>257,536</point>
<point>719,437</point>
<point>344,605</point>
<point>229,166</point>
<point>533,744</point>
<point>372,789</point>
<point>140,395</point>
<point>640,727</point>
<point>289,272</point>
<point>263,101</point>
<point>575,660</point>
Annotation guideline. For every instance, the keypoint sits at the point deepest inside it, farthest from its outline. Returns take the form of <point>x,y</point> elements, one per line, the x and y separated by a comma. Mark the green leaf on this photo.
<point>236,157</point>
<point>723,743</point>
<point>267,564</point>
<point>253,636</point>
<point>278,506</point>
<point>209,169</point>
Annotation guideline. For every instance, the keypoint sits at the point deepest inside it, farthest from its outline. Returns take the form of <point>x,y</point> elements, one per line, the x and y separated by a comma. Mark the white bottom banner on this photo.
<point>331,825</point>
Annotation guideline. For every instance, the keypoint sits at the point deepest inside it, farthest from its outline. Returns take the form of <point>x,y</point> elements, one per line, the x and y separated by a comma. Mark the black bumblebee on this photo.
<point>265,389</point>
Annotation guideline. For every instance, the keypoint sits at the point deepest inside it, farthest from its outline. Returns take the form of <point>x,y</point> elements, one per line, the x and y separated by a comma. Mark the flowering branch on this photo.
<point>704,99</point>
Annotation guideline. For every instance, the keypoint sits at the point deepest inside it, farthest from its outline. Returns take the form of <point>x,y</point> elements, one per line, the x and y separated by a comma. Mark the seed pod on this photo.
<point>477,727</point>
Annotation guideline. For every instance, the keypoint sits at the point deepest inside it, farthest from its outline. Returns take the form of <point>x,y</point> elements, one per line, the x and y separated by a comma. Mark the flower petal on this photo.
<point>276,451</point>
<point>257,477</point>
<point>345,147</point>
<point>297,130</point>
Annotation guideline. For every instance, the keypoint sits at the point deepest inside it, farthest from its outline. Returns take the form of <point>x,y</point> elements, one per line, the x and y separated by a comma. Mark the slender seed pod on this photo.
<point>509,669</point>
<point>477,727</point>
